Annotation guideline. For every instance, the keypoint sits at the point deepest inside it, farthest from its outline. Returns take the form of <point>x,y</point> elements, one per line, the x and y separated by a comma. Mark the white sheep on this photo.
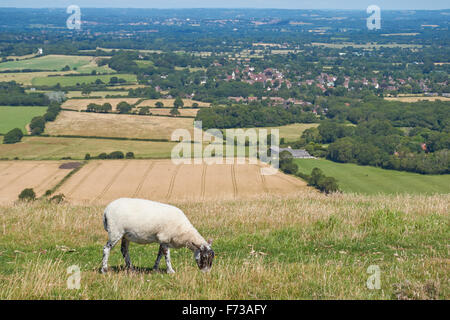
<point>144,221</point>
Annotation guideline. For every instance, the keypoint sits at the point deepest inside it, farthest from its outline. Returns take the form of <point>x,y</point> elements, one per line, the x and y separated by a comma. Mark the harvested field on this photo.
<point>116,125</point>
<point>416,99</point>
<point>169,103</point>
<point>100,182</point>
<point>81,104</point>
<point>18,175</point>
<point>26,78</point>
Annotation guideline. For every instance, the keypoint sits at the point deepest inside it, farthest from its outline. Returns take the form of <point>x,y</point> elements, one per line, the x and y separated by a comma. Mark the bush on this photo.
<point>102,156</point>
<point>27,195</point>
<point>129,155</point>
<point>87,156</point>
<point>59,198</point>
<point>37,125</point>
<point>13,136</point>
<point>116,155</point>
<point>289,168</point>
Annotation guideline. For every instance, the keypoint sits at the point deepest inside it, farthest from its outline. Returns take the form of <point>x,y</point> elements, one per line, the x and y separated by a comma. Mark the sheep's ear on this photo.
<point>210,241</point>
<point>196,246</point>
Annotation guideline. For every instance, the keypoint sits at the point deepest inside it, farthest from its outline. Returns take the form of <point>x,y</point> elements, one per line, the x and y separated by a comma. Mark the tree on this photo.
<point>13,136</point>
<point>27,195</point>
<point>159,104</point>
<point>178,103</point>
<point>174,112</point>
<point>123,107</point>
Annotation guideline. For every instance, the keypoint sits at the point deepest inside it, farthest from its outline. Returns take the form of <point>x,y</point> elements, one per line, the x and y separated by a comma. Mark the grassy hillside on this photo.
<point>18,117</point>
<point>371,180</point>
<point>308,246</point>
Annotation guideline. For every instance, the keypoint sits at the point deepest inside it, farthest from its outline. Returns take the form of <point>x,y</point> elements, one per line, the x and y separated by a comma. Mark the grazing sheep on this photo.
<point>144,221</point>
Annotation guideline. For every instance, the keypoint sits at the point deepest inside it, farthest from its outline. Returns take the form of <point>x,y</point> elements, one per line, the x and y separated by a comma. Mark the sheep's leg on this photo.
<point>106,250</point>
<point>125,253</point>
<point>166,252</point>
<point>158,258</point>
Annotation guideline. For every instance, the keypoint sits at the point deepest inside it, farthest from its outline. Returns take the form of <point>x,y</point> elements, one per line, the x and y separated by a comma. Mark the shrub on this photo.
<point>27,195</point>
<point>13,136</point>
<point>116,155</point>
<point>102,156</point>
<point>37,125</point>
<point>289,168</point>
<point>129,155</point>
<point>58,198</point>
<point>87,156</point>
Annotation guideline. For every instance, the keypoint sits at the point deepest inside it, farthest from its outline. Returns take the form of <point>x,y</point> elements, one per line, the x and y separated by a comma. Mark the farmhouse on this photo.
<point>296,153</point>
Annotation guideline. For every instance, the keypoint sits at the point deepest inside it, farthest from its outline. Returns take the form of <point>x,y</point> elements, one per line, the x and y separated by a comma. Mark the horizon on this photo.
<point>358,5</point>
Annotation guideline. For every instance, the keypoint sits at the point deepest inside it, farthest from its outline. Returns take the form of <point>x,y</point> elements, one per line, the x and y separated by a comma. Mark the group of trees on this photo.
<point>12,94</point>
<point>37,124</point>
<point>13,136</point>
<point>112,155</point>
<point>245,116</point>
<point>123,107</point>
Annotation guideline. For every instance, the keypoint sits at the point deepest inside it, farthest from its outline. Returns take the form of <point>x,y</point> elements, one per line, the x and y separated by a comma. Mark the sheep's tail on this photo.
<point>105,222</point>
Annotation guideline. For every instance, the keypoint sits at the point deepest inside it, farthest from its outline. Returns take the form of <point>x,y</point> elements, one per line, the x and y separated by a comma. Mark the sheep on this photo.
<point>145,221</point>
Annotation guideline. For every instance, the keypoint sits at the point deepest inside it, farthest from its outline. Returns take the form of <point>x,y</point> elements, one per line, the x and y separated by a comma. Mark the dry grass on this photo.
<point>307,246</point>
<point>115,125</point>
<point>416,99</point>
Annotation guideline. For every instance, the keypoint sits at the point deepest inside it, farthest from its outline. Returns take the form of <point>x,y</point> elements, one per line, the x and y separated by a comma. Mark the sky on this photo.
<point>282,4</point>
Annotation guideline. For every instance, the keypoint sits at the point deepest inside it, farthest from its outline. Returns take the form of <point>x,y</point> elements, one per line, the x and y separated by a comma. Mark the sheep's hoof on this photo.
<point>170,271</point>
<point>104,270</point>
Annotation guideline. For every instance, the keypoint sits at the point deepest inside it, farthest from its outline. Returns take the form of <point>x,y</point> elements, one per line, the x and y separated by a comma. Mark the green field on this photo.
<point>18,117</point>
<point>52,62</point>
<point>307,246</point>
<point>371,180</point>
<point>73,80</point>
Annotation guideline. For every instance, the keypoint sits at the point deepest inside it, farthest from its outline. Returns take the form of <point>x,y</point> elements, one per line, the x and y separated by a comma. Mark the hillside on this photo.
<point>305,246</point>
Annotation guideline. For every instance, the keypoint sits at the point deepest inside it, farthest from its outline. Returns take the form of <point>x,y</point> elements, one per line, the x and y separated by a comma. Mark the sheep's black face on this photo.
<point>204,258</point>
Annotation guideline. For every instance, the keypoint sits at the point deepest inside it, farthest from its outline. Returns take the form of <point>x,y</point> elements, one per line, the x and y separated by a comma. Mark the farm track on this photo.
<point>113,179</point>
<point>144,178</point>
<point>172,182</point>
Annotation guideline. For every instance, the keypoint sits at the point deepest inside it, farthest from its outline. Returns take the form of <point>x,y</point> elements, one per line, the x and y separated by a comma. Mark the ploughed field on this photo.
<point>101,181</point>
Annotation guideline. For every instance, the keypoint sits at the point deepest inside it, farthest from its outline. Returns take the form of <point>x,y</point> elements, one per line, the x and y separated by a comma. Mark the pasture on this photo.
<point>116,125</point>
<point>26,78</point>
<point>83,64</point>
<point>416,99</point>
<point>18,117</point>
<point>54,148</point>
<point>74,80</point>
<point>370,180</point>
<point>301,246</point>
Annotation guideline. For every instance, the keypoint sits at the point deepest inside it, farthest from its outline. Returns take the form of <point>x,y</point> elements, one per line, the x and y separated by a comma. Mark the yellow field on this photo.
<point>416,99</point>
<point>116,125</point>
<point>166,112</point>
<point>18,175</point>
<point>81,104</point>
<point>100,182</point>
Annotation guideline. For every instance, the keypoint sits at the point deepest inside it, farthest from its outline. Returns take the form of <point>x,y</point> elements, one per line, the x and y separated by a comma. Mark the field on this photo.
<point>371,180</point>
<point>81,104</point>
<point>416,99</point>
<point>18,117</point>
<point>26,78</point>
<point>103,94</point>
<point>161,180</point>
<point>54,148</point>
<point>303,246</point>
<point>166,112</point>
<point>83,64</point>
<point>73,80</point>
<point>115,125</point>
<point>367,46</point>
<point>169,103</point>
<point>18,175</point>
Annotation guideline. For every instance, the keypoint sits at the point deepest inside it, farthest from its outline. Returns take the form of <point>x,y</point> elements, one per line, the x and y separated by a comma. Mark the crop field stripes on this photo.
<point>263,180</point>
<point>172,182</point>
<point>19,176</point>
<point>85,177</point>
<point>233,179</point>
<point>203,187</point>
<point>110,183</point>
<point>48,180</point>
<point>144,178</point>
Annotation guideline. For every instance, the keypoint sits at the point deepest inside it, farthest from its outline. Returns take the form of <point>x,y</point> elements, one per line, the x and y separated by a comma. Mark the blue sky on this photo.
<point>285,4</point>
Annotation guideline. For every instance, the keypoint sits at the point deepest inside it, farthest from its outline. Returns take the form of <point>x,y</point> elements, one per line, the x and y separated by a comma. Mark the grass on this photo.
<point>53,148</point>
<point>18,117</point>
<point>73,80</point>
<point>371,180</point>
<point>55,63</point>
<point>26,78</point>
<point>309,246</point>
